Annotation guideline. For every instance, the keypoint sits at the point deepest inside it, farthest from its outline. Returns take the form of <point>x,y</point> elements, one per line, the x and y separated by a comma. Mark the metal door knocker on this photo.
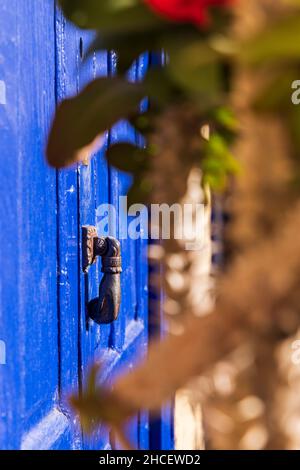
<point>105,308</point>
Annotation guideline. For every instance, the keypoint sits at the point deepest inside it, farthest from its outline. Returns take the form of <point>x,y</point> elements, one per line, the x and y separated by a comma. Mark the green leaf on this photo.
<point>80,120</point>
<point>196,68</point>
<point>107,15</point>
<point>127,157</point>
<point>226,118</point>
<point>276,93</point>
<point>215,182</point>
<point>279,42</point>
<point>218,163</point>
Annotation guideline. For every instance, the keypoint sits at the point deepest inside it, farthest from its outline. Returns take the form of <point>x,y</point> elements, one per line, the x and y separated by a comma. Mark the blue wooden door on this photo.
<point>45,334</point>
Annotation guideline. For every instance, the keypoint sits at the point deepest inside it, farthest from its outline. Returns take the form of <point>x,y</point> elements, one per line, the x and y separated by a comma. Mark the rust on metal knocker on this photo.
<point>105,308</point>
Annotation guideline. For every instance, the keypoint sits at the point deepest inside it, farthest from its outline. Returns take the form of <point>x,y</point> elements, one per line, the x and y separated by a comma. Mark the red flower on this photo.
<point>194,11</point>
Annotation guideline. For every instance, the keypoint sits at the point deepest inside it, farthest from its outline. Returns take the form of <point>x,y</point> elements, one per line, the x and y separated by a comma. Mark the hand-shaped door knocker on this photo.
<point>105,308</point>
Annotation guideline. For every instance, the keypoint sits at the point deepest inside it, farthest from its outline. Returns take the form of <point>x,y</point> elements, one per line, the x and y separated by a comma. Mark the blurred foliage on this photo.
<point>198,69</point>
<point>130,28</point>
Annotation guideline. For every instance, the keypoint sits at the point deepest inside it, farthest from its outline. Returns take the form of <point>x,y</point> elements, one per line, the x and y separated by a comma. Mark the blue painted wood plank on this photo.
<point>67,59</point>
<point>9,378</point>
<point>93,191</point>
<point>87,216</point>
<point>101,193</point>
<point>142,279</point>
<point>28,195</point>
<point>117,133</point>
